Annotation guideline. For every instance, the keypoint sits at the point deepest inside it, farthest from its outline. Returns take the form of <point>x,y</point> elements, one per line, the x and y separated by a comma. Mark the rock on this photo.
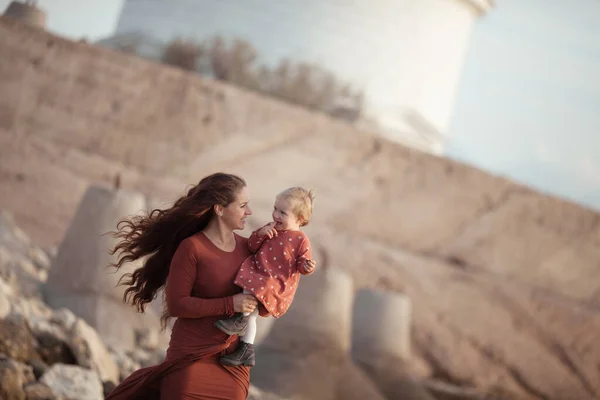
<point>52,252</point>
<point>39,391</point>
<point>13,376</point>
<point>19,272</point>
<point>32,308</point>
<point>107,387</point>
<point>30,278</point>
<point>67,339</point>
<point>39,257</point>
<point>5,287</point>
<point>11,234</point>
<point>39,368</point>
<point>125,363</point>
<point>53,343</point>
<point>72,382</point>
<point>64,318</point>
<point>5,299</point>
<point>146,358</point>
<point>7,273</point>
<point>16,340</point>
<point>90,351</point>
<point>147,338</point>
<point>25,265</point>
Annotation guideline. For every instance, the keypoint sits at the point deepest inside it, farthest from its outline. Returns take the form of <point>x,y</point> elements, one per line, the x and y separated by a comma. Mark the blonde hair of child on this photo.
<point>302,201</point>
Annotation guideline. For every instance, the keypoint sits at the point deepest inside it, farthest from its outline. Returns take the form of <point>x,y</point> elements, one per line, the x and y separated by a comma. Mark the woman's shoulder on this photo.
<point>194,243</point>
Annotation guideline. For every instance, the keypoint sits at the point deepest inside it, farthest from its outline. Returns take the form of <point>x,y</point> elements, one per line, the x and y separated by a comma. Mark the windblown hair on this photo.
<point>301,201</point>
<point>157,235</point>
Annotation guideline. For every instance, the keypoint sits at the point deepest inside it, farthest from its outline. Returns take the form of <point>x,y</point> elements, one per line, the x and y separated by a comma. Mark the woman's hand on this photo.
<point>244,303</point>
<point>268,230</point>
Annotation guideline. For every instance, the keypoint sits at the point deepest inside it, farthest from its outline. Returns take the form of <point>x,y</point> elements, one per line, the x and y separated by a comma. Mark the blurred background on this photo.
<point>525,72</point>
<point>453,145</point>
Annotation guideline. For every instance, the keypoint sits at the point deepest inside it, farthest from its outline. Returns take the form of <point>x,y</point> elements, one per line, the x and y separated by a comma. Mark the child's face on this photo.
<point>284,217</point>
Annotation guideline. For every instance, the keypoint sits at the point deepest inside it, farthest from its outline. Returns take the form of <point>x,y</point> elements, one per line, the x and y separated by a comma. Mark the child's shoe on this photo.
<point>243,355</point>
<point>235,325</point>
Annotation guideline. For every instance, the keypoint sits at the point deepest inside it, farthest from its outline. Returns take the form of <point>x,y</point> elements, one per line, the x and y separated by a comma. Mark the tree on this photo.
<point>183,53</point>
<point>300,83</point>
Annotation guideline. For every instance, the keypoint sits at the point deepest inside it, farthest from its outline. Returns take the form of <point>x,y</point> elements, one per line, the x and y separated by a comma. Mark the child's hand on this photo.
<point>269,231</point>
<point>309,265</point>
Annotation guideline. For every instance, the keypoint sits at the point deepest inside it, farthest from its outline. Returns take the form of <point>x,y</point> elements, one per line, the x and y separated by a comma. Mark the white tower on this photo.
<point>406,55</point>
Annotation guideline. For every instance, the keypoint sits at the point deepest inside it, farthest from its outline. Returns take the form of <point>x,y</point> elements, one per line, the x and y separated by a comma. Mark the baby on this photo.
<point>281,252</point>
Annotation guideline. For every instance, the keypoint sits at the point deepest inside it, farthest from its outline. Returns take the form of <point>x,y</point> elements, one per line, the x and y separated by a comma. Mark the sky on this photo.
<point>75,19</point>
<point>528,104</point>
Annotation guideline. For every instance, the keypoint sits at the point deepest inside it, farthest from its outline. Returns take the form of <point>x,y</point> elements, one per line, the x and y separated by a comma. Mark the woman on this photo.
<point>193,250</point>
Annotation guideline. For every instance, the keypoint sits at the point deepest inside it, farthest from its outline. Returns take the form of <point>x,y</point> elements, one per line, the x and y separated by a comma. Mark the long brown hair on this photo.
<point>159,233</point>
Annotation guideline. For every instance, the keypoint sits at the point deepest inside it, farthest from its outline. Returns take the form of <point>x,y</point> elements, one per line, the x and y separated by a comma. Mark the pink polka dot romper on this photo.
<point>272,273</point>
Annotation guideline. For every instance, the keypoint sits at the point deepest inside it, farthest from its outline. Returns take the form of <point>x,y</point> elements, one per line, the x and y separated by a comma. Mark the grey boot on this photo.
<point>235,325</point>
<point>243,355</point>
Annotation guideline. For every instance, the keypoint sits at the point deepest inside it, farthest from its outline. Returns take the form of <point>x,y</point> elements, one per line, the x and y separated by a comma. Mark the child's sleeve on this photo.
<point>304,254</point>
<point>255,241</point>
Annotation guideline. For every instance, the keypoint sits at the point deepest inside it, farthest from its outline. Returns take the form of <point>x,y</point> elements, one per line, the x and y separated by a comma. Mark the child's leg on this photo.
<point>250,334</point>
<point>236,324</point>
<point>247,292</point>
<point>244,354</point>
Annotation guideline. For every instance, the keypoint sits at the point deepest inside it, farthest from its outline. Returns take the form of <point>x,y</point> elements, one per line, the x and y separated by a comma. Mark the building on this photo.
<point>406,55</point>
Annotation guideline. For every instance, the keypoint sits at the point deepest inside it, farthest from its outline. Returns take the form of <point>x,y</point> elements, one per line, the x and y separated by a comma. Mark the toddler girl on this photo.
<point>281,252</point>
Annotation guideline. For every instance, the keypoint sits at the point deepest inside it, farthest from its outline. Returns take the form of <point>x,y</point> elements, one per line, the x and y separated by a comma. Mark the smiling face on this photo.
<point>283,215</point>
<point>235,214</point>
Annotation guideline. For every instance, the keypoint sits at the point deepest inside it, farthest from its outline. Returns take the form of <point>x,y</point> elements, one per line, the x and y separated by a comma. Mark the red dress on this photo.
<point>199,292</point>
<point>272,273</point>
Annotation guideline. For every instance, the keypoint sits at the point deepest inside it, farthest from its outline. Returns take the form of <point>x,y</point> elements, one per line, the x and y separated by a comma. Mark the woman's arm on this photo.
<point>180,282</point>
